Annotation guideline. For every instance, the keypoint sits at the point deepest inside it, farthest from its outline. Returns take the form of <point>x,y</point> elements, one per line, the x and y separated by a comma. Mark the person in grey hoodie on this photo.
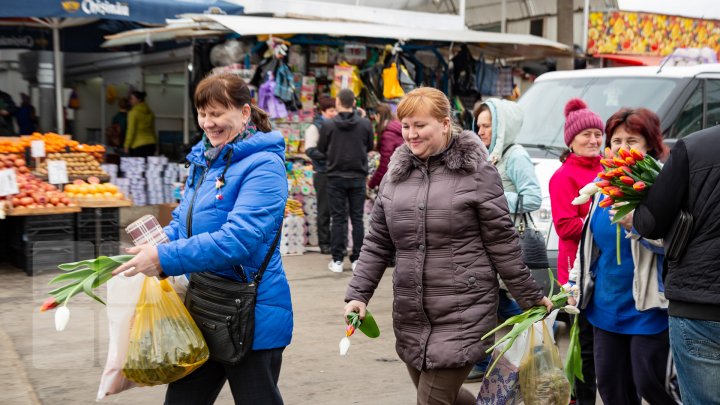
<point>498,122</point>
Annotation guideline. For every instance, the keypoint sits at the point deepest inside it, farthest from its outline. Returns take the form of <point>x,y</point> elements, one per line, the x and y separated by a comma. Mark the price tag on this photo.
<point>57,172</point>
<point>37,149</point>
<point>8,182</point>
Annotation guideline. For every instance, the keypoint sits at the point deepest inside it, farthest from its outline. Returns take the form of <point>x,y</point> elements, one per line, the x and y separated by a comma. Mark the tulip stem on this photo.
<point>617,243</point>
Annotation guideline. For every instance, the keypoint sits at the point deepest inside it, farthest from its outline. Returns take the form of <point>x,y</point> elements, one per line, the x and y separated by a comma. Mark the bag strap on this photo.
<point>268,255</point>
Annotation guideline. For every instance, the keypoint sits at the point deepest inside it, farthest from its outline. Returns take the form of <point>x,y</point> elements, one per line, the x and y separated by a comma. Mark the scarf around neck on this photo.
<point>212,152</point>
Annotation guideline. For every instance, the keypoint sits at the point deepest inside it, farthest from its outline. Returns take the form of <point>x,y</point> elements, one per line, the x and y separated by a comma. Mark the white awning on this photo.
<point>496,44</point>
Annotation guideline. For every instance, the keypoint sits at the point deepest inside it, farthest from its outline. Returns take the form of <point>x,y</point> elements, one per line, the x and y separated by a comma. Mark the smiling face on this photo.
<point>424,134</point>
<point>587,143</point>
<point>221,124</point>
<point>484,123</point>
<point>621,138</point>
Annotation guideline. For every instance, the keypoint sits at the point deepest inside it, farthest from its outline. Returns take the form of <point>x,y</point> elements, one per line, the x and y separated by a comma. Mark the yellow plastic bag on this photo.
<point>346,76</point>
<point>165,344</point>
<point>542,380</point>
<point>391,84</point>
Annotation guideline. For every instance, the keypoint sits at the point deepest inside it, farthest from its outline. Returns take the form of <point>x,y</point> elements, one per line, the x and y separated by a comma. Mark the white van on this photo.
<point>686,99</point>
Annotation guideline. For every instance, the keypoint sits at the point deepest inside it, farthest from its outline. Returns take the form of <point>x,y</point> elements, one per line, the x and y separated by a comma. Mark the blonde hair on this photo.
<point>430,100</point>
<point>427,99</point>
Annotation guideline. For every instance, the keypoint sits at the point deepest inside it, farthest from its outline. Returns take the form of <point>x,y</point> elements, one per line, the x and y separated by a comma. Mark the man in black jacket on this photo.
<point>691,181</point>
<point>327,111</point>
<point>346,141</point>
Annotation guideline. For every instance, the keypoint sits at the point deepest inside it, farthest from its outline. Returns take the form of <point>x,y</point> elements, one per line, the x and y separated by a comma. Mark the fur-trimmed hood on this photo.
<point>462,155</point>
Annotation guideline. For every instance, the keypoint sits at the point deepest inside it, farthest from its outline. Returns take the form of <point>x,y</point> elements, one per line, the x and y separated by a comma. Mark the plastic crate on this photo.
<point>42,228</point>
<point>87,216</point>
<point>86,250</point>
<point>42,257</point>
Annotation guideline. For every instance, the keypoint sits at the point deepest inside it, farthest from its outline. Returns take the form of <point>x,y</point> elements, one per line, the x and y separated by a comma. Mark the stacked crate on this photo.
<point>108,219</point>
<point>40,243</point>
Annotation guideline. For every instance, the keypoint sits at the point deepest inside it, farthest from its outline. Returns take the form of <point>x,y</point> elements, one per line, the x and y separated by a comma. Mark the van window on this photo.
<point>712,87</point>
<point>690,118</point>
<point>543,103</point>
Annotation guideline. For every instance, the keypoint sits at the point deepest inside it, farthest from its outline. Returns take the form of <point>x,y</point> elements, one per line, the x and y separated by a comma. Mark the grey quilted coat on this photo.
<point>447,218</point>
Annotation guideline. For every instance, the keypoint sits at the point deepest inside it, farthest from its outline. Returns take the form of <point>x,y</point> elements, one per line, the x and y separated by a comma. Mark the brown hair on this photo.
<point>385,115</point>
<point>325,103</point>
<point>230,91</point>
<point>480,108</point>
<point>638,121</point>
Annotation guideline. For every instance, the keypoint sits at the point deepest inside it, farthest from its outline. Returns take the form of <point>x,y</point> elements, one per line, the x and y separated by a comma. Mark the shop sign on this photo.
<point>8,182</point>
<point>621,32</point>
<point>98,7</point>
<point>13,38</point>
<point>57,172</point>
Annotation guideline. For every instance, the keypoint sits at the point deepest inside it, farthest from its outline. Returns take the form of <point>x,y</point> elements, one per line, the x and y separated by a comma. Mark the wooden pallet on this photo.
<point>103,203</point>
<point>25,212</point>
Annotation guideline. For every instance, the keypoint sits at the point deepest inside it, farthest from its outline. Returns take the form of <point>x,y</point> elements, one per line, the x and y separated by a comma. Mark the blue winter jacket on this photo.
<point>237,229</point>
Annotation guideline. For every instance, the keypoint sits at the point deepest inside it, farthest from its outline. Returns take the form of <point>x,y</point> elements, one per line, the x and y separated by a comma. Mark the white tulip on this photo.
<point>571,310</point>
<point>581,199</point>
<point>62,316</point>
<point>344,345</point>
<point>589,189</point>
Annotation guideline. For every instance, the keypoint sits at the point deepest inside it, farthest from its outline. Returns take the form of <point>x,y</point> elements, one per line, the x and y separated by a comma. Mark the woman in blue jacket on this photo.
<point>233,205</point>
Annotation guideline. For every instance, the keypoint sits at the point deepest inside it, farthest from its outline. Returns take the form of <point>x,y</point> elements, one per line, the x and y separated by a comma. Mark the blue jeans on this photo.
<point>696,350</point>
<point>507,308</point>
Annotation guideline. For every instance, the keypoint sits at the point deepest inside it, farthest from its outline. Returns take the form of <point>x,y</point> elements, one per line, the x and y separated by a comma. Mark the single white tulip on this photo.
<point>571,310</point>
<point>344,345</point>
<point>62,316</point>
<point>589,189</point>
<point>581,199</point>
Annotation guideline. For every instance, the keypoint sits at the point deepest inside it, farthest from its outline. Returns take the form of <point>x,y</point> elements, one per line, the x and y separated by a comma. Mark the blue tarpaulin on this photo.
<point>61,14</point>
<point>146,11</point>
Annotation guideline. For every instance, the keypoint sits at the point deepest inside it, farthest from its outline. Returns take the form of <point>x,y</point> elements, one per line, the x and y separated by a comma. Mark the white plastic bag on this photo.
<point>502,385</point>
<point>122,296</point>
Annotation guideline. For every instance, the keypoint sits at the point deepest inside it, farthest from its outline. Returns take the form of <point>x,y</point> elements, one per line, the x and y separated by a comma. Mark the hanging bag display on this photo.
<point>391,83</point>
<point>224,310</point>
<point>486,76</point>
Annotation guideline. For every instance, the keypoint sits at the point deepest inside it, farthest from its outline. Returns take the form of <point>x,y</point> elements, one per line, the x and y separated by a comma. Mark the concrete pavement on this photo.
<point>42,366</point>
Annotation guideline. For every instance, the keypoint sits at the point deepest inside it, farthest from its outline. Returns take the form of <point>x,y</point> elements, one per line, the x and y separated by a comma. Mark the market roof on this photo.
<point>496,44</point>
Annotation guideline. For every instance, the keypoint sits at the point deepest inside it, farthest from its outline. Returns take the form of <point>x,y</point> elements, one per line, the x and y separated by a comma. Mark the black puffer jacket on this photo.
<point>447,219</point>
<point>689,180</point>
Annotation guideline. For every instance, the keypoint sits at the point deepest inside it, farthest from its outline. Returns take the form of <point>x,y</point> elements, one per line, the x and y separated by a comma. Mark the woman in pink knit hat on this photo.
<point>581,164</point>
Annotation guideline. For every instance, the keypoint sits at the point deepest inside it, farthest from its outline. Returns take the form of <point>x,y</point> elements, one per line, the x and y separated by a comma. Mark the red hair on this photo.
<point>638,121</point>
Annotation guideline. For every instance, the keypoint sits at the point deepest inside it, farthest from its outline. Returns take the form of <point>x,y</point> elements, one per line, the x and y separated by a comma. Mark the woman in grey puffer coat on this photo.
<point>441,206</point>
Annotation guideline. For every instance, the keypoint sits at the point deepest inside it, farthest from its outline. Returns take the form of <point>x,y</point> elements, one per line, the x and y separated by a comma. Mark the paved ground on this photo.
<point>42,366</point>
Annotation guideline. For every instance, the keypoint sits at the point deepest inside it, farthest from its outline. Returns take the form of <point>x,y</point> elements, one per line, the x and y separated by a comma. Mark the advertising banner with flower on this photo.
<point>624,32</point>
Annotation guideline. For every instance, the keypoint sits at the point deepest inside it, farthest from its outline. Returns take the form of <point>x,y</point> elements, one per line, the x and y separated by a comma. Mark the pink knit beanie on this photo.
<point>578,118</point>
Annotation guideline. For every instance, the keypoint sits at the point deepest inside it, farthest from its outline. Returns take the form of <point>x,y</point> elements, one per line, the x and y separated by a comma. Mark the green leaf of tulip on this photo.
<point>368,326</point>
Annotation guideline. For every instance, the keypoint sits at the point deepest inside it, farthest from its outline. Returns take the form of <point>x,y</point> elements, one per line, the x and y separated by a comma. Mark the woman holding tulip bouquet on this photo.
<point>621,295</point>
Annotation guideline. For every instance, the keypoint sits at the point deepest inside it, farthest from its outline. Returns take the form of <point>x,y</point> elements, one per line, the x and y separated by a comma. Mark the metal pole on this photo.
<point>186,107</point>
<point>103,110</point>
<point>58,77</point>
<point>503,16</point>
<point>586,15</point>
<point>462,14</point>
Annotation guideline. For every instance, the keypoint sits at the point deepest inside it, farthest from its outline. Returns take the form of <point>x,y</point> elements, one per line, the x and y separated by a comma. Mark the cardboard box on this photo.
<point>165,213</point>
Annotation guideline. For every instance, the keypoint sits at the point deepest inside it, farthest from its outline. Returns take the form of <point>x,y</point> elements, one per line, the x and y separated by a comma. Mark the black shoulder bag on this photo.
<point>676,240</point>
<point>532,241</point>
<point>224,309</point>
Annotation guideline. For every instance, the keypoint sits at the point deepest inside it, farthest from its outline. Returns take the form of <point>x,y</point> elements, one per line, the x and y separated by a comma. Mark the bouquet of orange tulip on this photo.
<point>625,181</point>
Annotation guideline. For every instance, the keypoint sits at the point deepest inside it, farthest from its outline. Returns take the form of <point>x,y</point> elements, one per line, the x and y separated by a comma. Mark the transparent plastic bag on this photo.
<point>165,344</point>
<point>542,380</point>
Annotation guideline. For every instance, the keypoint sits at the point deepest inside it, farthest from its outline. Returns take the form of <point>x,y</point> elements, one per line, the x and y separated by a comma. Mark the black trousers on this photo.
<point>586,392</point>
<point>320,181</point>
<point>253,381</point>
<point>346,193</point>
<point>143,151</point>
<point>632,366</point>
